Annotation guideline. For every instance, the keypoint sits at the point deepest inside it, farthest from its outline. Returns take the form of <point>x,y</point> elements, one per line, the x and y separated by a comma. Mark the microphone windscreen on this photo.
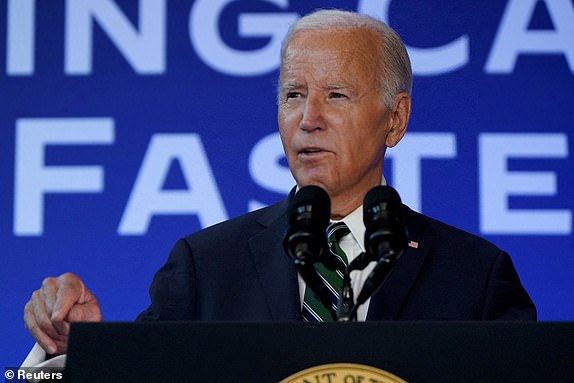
<point>311,202</point>
<point>384,221</point>
<point>382,197</point>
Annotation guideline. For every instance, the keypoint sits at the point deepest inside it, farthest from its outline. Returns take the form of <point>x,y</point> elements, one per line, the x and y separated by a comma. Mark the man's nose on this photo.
<point>313,115</point>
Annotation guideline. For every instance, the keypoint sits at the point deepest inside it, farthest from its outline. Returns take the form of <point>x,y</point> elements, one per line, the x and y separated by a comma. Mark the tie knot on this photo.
<point>336,231</point>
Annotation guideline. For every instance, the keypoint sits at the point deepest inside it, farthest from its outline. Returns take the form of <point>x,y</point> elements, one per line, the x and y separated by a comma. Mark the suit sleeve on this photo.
<point>172,291</point>
<point>506,298</point>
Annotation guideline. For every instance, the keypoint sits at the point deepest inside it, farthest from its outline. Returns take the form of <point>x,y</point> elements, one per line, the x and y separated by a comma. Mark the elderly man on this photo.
<point>344,98</point>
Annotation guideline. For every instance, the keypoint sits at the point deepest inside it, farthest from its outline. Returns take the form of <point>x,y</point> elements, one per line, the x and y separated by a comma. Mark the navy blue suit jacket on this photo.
<point>238,270</point>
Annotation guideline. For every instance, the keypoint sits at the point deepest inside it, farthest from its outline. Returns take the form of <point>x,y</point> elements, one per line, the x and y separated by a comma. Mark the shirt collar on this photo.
<point>354,222</point>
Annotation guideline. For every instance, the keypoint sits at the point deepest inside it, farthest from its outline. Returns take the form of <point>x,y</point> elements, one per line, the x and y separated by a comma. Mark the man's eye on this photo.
<point>337,95</point>
<point>291,95</point>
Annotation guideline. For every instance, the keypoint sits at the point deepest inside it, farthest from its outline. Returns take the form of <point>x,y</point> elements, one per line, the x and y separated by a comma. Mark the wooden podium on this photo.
<point>462,352</point>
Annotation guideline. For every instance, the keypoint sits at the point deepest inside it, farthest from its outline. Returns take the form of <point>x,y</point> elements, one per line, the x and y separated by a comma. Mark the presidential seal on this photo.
<point>343,373</point>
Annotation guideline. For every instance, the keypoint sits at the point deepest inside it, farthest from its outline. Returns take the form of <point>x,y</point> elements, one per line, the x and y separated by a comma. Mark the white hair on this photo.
<point>395,70</point>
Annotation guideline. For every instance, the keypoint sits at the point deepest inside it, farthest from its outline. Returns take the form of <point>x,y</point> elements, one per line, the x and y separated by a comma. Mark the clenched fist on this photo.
<point>52,308</point>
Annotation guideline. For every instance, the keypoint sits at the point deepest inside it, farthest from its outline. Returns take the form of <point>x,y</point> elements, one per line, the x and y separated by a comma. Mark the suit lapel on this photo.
<point>276,271</point>
<point>387,301</point>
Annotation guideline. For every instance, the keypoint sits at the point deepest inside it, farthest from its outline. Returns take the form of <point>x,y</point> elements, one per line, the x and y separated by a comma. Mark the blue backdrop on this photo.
<point>125,125</point>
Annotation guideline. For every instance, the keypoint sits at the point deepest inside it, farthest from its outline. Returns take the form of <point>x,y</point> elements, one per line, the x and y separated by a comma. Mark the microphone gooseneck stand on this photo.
<point>306,244</point>
<point>347,308</point>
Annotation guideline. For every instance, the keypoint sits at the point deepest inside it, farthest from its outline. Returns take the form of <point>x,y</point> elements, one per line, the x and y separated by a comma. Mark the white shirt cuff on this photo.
<point>37,358</point>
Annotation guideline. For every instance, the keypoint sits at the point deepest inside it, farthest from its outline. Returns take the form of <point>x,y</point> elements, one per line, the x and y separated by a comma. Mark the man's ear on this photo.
<point>399,119</point>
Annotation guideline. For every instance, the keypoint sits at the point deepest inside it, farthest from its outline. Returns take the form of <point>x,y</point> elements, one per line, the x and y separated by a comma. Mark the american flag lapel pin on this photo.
<point>413,244</point>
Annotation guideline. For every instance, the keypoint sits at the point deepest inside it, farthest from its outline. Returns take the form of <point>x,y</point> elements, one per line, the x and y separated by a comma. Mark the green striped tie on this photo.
<point>313,308</point>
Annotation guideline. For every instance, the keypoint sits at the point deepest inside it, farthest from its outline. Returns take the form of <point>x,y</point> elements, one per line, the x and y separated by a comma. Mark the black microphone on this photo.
<point>306,242</point>
<point>385,235</point>
<point>309,215</point>
<point>385,231</point>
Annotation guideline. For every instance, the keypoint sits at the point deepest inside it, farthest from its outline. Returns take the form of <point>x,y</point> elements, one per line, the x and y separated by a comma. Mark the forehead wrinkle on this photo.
<point>296,75</point>
<point>338,86</point>
<point>339,67</point>
<point>289,85</point>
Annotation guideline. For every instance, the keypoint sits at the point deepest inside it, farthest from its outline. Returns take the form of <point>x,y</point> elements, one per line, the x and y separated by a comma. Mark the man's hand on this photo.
<point>59,301</point>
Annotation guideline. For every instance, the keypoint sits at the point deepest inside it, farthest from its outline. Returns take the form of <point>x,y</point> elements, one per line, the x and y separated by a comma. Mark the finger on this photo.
<point>62,327</point>
<point>35,314</point>
<point>42,338</point>
<point>48,292</point>
<point>69,292</point>
<point>84,294</point>
<point>89,312</point>
<point>41,316</point>
<point>62,346</point>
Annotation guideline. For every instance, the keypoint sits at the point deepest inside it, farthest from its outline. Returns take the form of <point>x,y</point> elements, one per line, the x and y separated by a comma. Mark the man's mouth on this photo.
<point>311,150</point>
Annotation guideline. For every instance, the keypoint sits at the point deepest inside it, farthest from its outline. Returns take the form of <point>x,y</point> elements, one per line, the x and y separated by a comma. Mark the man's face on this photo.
<point>332,120</point>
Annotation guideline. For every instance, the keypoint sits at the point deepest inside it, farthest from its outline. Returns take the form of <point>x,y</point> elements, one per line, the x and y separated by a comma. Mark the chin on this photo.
<point>315,182</point>
<point>318,176</point>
